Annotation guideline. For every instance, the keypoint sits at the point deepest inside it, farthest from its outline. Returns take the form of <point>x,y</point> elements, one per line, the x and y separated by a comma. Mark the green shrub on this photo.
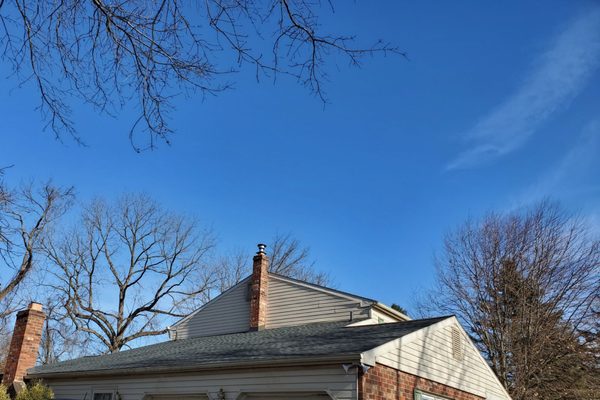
<point>36,391</point>
<point>3,393</point>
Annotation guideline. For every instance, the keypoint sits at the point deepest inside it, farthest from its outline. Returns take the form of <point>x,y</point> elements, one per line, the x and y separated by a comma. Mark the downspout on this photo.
<point>359,384</point>
<point>360,369</point>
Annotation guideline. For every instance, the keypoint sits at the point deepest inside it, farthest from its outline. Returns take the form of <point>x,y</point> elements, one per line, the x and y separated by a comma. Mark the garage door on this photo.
<point>199,396</point>
<point>285,396</point>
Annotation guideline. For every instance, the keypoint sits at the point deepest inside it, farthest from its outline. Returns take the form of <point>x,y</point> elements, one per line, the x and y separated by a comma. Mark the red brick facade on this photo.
<point>259,290</point>
<point>25,344</point>
<point>385,383</point>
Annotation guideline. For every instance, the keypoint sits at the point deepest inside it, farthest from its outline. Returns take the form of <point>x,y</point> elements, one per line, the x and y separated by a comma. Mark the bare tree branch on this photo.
<point>26,215</point>
<point>60,339</point>
<point>287,257</point>
<point>527,286</point>
<point>125,267</point>
<point>107,53</point>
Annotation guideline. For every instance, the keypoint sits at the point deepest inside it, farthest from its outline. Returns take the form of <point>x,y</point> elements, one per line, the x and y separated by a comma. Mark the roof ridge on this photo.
<point>276,275</point>
<point>322,287</point>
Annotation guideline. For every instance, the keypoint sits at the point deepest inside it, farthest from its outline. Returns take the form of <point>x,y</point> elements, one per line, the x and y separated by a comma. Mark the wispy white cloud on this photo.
<point>560,74</point>
<point>573,176</point>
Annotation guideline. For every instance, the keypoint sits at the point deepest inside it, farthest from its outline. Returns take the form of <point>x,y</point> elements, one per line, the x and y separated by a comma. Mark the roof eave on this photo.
<point>333,359</point>
<point>391,312</point>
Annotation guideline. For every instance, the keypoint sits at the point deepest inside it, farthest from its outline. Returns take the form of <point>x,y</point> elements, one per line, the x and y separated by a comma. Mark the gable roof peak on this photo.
<point>322,288</point>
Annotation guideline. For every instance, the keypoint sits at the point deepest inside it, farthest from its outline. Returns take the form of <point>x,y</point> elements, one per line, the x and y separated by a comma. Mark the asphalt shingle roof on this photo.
<point>311,341</point>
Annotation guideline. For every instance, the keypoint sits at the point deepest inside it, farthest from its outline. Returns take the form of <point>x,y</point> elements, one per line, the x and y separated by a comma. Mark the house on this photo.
<point>273,338</point>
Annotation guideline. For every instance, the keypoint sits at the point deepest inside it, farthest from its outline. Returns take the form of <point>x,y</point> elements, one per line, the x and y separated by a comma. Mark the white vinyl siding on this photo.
<point>228,313</point>
<point>431,356</point>
<point>332,379</point>
<point>382,318</point>
<point>294,304</point>
<point>376,318</point>
<point>289,303</point>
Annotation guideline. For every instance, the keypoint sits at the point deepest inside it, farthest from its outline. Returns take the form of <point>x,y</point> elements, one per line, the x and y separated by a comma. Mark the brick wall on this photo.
<point>259,287</point>
<point>385,383</point>
<point>25,343</point>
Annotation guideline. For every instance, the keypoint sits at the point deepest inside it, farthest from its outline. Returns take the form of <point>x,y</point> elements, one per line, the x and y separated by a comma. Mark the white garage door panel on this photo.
<point>285,396</point>
<point>199,396</point>
<point>291,397</point>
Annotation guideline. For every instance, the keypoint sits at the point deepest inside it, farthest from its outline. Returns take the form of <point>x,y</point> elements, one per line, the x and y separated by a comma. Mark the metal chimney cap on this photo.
<point>261,248</point>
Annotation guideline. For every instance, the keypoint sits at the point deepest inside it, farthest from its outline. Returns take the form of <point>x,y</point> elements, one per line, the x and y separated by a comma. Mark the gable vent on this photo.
<point>457,345</point>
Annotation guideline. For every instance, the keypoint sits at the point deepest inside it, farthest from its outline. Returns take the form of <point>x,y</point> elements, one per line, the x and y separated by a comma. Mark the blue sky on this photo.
<point>497,107</point>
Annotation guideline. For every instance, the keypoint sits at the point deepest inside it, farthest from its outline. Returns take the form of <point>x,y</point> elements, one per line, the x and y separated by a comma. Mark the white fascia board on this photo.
<point>389,310</point>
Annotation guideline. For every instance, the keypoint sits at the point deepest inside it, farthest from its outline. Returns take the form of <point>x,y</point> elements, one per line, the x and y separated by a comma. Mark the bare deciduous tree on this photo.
<point>287,257</point>
<point>60,339</point>
<point>5,338</point>
<point>26,215</point>
<point>231,269</point>
<point>107,52</point>
<point>525,285</point>
<point>126,267</point>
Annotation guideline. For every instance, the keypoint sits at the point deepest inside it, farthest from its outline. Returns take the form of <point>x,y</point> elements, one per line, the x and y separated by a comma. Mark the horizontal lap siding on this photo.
<point>431,357</point>
<point>333,378</point>
<point>228,313</point>
<point>376,318</point>
<point>293,304</point>
<point>383,318</point>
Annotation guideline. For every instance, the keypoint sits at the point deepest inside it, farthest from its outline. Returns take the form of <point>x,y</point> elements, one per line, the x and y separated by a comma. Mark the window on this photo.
<point>419,395</point>
<point>104,393</point>
<point>103,396</point>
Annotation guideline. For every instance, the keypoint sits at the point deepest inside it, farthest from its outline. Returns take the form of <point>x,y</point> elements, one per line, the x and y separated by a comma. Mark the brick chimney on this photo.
<point>259,289</point>
<point>24,345</point>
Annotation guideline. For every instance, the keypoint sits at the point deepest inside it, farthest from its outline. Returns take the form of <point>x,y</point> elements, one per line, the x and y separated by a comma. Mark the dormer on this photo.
<point>267,300</point>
